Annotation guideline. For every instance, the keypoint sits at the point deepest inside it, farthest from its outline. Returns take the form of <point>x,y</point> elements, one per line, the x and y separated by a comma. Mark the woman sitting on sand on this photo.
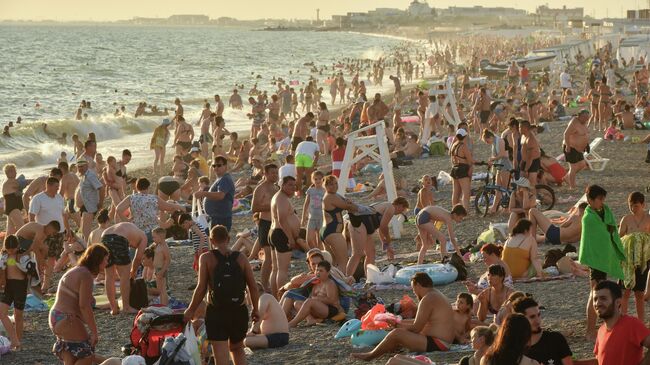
<point>491,299</point>
<point>511,342</point>
<point>520,252</point>
<point>241,160</point>
<point>72,310</point>
<point>491,256</point>
<point>521,201</point>
<point>179,168</point>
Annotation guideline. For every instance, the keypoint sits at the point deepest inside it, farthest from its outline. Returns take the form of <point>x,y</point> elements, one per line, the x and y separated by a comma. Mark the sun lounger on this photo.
<point>594,160</point>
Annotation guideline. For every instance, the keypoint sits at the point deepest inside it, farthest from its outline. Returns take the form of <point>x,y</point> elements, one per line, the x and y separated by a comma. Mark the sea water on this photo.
<point>110,66</point>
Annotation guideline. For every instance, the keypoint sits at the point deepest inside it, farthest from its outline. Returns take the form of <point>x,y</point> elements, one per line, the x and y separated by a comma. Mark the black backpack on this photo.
<point>228,284</point>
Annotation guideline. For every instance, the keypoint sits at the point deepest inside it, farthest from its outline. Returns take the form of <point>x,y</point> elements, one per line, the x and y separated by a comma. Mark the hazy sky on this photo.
<point>255,9</point>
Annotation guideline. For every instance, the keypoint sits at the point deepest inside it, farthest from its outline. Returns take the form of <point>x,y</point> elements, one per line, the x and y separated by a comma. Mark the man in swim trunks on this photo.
<point>576,141</point>
<point>183,136</point>
<point>378,109</point>
<point>432,329</point>
<point>285,227</point>
<point>530,154</point>
<point>118,238</point>
<point>68,185</point>
<point>235,101</point>
<point>11,190</point>
<point>261,203</point>
<point>272,328</point>
<point>301,130</point>
<point>218,107</point>
<point>569,232</point>
<point>482,107</point>
<point>306,158</point>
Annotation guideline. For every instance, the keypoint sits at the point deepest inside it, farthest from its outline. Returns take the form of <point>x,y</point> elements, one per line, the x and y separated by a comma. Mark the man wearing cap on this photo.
<point>575,143</point>
<point>219,199</point>
<point>90,188</point>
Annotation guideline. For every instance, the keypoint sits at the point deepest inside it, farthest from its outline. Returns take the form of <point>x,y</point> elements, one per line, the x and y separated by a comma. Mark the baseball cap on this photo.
<point>195,149</point>
<point>133,360</point>
<point>461,132</point>
<point>583,111</point>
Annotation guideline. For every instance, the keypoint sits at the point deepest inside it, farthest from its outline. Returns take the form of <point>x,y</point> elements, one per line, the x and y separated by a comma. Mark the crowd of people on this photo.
<point>80,219</point>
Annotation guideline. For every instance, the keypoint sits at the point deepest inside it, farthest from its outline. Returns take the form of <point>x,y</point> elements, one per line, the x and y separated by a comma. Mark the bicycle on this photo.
<point>485,195</point>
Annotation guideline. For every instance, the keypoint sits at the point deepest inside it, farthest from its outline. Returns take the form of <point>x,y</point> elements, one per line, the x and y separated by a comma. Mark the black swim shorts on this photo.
<point>535,165</point>
<point>226,324</point>
<point>573,156</point>
<point>118,248</point>
<point>263,228</point>
<point>279,240</point>
<point>15,293</point>
<point>276,340</point>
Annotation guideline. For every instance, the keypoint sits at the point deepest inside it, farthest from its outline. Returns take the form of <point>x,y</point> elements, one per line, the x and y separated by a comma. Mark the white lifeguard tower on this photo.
<point>450,100</point>
<point>375,147</point>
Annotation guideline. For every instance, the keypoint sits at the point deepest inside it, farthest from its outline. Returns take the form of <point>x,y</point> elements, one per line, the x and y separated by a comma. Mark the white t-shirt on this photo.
<point>610,74</point>
<point>313,133</point>
<point>565,80</point>
<point>47,209</point>
<point>308,148</point>
<point>287,170</point>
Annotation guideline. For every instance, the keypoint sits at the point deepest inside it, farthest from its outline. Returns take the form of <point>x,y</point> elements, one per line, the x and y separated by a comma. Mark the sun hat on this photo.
<point>82,161</point>
<point>522,182</point>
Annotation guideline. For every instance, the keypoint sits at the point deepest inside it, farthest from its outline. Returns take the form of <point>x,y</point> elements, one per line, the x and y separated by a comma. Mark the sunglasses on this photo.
<point>217,165</point>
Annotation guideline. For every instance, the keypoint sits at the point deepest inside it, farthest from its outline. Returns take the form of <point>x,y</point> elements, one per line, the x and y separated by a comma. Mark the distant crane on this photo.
<point>318,13</point>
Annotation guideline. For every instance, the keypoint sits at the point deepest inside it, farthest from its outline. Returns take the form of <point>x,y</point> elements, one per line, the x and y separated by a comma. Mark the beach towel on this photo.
<point>35,304</point>
<point>600,245</point>
<point>637,254</point>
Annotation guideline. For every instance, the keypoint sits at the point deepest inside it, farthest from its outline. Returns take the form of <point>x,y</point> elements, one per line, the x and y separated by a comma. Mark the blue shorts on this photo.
<point>553,235</point>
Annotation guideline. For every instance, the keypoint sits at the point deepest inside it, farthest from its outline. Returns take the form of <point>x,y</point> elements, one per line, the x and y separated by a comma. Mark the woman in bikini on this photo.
<point>594,98</point>
<point>461,161</point>
<point>322,124</point>
<point>158,144</point>
<point>309,96</point>
<point>72,310</point>
<point>113,182</point>
<point>492,298</point>
<point>604,105</point>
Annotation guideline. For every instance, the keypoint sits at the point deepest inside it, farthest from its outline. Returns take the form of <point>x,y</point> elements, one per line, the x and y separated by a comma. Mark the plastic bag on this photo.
<point>368,319</point>
<point>192,344</point>
<point>444,178</point>
<point>376,276</point>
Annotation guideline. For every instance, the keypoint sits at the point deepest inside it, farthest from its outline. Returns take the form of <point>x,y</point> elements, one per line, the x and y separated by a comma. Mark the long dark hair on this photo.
<point>511,341</point>
<point>93,257</point>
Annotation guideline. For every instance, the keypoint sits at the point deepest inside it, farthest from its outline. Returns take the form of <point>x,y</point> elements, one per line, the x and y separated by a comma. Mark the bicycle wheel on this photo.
<point>545,197</point>
<point>482,200</point>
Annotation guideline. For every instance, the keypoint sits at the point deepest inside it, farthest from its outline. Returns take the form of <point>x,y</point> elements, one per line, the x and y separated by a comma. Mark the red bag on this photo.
<point>149,340</point>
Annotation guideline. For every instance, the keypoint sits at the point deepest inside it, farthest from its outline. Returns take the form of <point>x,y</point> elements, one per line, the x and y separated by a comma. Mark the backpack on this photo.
<point>458,262</point>
<point>228,283</point>
<point>147,338</point>
<point>138,298</point>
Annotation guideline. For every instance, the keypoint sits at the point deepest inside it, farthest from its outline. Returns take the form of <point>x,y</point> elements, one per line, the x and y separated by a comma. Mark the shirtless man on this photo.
<point>576,141</point>
<point>272,328</point>
<point>218,106</point>
<point>428,234</point>
<point>38,185</point>
<point>530,154</point>
<point>261,204</point>
<point>398,86</point>
<point>378,110</point>
<point>411,149</point>
<point>235,101</point>
<point>183,136</point>
<point>78,145</point>
<point>568,232</point>
<point>32,238</point>
<point>626,117</point>
<point>301,130</point>
<point>432,329</point>
<point>482,107</point>
<point>68,185</point>
<point>179,109</point>
<point>285,225</point>
<point>11,191</point>
<point>118,238</point>
<point>205,139</point>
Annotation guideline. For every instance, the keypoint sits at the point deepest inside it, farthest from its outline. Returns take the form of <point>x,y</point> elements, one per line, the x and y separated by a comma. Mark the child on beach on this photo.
<point>613,133</point>
<point>425,194</point>
<point>15,290</point>
<point>312,211</point>
<point>115,187</point>
<point>161,262</point>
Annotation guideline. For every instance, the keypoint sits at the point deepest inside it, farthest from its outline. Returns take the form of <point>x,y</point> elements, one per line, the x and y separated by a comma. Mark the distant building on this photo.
<point>566,13</point>
<point>641,14</point>
<point>385,12</point>
<point>480,11</point>
<point>341,21</point>
<point>419,8</point>
<point>148,21</point>
<point>189,19</point>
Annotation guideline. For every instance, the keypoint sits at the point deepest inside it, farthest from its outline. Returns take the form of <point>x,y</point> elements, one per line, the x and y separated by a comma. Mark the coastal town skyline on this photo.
<point>79,10</point>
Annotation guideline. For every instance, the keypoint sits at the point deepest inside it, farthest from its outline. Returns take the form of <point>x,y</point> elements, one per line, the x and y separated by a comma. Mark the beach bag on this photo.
<point>138,298</point>
<point>148,339</point>
<point>458,262</point>
<point>198,214</point>
<point>228,283</point>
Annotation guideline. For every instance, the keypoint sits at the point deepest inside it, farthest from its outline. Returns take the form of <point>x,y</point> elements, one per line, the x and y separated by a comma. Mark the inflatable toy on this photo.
<point>441,274</point>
